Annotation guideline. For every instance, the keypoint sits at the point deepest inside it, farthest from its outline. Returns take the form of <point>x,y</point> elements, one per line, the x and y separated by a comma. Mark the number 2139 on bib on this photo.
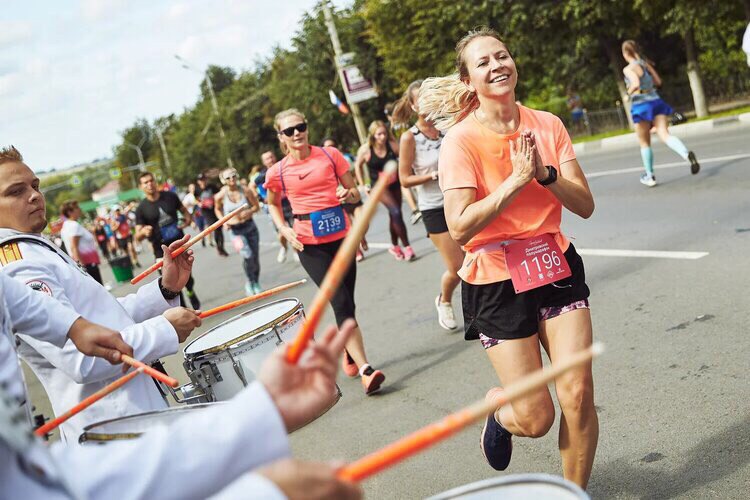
<point>328,221</point>
<point>535,262</point>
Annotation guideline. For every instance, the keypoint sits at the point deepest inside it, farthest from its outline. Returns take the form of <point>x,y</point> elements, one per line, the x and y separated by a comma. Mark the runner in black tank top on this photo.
<point>392,196</point>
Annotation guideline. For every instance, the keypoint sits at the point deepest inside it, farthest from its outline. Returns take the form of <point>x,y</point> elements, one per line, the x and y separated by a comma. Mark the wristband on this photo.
<point>167,293</point>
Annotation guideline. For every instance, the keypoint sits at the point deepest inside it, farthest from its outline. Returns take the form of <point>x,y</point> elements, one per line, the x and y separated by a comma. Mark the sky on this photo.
<point>74,73</point>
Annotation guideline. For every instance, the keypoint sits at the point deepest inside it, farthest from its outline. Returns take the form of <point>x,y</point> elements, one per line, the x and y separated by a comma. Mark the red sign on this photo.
<point>535,262</point>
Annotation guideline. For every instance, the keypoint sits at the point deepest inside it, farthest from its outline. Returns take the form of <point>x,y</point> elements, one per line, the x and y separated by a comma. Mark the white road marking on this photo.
<point>653,254</point>
<point>676,164</point>
<point>594,252</point>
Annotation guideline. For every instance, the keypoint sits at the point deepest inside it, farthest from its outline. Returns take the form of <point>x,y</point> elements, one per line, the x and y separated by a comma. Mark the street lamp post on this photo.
<point>141,162</point>
<point>214,106</point>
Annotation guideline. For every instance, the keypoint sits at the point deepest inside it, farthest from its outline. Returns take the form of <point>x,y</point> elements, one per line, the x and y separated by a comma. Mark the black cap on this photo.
<point>201,176</point>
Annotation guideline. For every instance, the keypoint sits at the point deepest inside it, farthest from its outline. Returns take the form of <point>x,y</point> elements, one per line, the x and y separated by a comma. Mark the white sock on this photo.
<point>363,368</point>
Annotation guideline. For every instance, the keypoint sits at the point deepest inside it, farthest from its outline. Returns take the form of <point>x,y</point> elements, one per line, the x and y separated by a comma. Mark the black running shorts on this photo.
<point>498,312</point>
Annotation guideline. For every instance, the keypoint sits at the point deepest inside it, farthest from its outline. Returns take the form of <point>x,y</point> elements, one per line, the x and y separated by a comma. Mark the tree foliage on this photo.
<point>556,45</point>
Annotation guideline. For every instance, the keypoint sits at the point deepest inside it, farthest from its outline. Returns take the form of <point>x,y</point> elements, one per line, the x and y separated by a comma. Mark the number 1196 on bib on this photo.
<point>535,262</point>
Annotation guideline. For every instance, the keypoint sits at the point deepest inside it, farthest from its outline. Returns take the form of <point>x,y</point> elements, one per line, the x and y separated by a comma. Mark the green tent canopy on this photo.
<point>129,195</point>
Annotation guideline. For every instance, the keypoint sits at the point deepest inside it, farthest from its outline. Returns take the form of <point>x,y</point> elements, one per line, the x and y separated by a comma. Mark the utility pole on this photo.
<point>164,151</point>
<point>214,106</point>
<point>337,52</point>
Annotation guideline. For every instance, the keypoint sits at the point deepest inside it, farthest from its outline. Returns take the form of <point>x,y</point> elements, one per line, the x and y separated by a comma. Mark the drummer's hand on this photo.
<point>183,320</point>
<point>290,236</point>
<point>309,480</point>
<point>302,392</point>
<point>94,340</point>
<point>176,272</point>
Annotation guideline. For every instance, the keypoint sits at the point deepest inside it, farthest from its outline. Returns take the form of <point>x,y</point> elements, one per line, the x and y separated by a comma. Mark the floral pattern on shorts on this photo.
<point>545,313</point>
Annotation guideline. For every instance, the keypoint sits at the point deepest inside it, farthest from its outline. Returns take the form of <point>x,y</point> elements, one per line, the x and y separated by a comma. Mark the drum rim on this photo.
<point>244,336</point>
<point>87,435</point>
<point>475,486</point>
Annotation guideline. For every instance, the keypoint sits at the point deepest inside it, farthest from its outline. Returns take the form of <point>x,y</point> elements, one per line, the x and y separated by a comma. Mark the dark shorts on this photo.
<point>349,207</point>
<point>123,242</point>
<point>497,312</point>
<point>316,259</point>
<point>646,111</point>
<point>434,220</point>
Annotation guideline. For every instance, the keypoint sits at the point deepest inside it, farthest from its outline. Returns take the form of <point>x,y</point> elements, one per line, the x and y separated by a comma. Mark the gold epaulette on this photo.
<point>10,252</point>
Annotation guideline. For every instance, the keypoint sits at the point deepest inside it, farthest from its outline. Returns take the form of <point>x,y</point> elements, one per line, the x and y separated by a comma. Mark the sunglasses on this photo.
<point>230,177</point>
<point>289,131</point>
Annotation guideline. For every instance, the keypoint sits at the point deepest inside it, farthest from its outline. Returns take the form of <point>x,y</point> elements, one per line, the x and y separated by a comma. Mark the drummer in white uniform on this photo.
<point>248,432</point>
<point>148,320</point>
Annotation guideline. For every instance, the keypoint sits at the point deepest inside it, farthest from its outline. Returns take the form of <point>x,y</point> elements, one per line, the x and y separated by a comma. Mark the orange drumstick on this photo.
<point>437,431</point>
<point>192,241</point>
<point>54,423</point>
<point>341,262</point>
<point>166,379</point>
<point>252,298</point>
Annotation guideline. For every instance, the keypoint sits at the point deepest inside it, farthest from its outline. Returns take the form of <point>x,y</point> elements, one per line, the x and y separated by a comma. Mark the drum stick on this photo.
<point>252,298</point>
<point>340,264</point>
<point>161,377</point>
<point>192,241</point>
<point>451,424</point>
<point>54,423</point>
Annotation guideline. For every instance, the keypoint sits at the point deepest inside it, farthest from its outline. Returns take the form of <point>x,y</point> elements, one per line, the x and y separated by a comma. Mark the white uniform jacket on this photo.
<point>199,455</point>
<point>69,376</point>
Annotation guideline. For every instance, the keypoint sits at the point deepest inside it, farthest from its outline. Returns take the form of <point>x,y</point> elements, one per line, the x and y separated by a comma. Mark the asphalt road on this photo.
<point>671,390</point>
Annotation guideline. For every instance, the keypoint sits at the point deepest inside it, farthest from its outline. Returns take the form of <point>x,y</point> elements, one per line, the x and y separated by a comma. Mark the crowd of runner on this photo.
<point>488,177</point>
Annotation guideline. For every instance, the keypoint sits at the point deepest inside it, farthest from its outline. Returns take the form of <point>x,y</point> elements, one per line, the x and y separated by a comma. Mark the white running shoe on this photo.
<point>648,180</point>
<point>281,257</point>
<point>445,314</point>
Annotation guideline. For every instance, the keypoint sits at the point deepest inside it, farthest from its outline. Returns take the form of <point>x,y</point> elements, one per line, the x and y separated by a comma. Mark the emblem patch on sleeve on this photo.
<point>10,253</point>
<point>40,286</point>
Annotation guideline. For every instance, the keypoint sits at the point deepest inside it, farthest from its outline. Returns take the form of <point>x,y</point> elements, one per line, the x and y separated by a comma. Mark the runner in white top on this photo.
<point>418,167</point>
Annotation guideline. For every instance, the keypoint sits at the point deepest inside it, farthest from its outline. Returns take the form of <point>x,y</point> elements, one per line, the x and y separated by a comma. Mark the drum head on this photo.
<point>239,328</point>
<point>517,487</point>
<point>132,426</point>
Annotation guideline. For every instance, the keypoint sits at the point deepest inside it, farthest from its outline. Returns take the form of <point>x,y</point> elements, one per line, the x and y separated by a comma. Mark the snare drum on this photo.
<point>132,426</point>
<point>517,487</point>
<point>226,358</point>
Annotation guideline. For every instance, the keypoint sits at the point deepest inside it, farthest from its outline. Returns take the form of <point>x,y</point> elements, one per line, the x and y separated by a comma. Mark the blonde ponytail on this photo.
<point>445,100</point>
<point>403,111</point>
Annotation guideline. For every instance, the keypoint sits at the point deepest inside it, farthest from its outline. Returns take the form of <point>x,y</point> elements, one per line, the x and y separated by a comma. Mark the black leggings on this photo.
<point>218,233</point>
<point>392,200</point>
<point>316,259</point>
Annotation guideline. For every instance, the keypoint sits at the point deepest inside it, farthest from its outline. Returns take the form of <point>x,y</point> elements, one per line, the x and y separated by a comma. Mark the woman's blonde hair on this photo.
<point>445,100</point>
<point>403,112</point>
<point>226,171</point>
<point>634,50</point>
<point>282,115</point>
<point>374,126</point>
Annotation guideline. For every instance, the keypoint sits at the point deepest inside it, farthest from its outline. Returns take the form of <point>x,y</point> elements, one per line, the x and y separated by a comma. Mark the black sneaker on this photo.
<point>194,300</point>
<point>694,165</point>
<point>496,444</point>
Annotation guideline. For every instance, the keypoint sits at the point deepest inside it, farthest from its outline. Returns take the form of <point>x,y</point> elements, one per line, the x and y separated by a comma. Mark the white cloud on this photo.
<point>96,10</point>
<point>13,33</point>
<point>74,89</point>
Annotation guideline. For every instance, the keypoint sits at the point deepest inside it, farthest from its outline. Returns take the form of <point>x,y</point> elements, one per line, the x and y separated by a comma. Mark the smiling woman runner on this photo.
<point>506,172</point>
<point>309,177</point>
<point>245,237</point>
<point>418,167</point>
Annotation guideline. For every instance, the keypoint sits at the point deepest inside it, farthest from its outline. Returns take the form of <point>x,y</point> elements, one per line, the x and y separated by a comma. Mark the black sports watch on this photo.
<point>551,176</point>
<point>167,293</point>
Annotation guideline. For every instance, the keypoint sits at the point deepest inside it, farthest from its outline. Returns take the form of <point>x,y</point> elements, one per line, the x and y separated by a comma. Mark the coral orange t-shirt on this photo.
<point>473,156</point>
<point>310,185</point>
